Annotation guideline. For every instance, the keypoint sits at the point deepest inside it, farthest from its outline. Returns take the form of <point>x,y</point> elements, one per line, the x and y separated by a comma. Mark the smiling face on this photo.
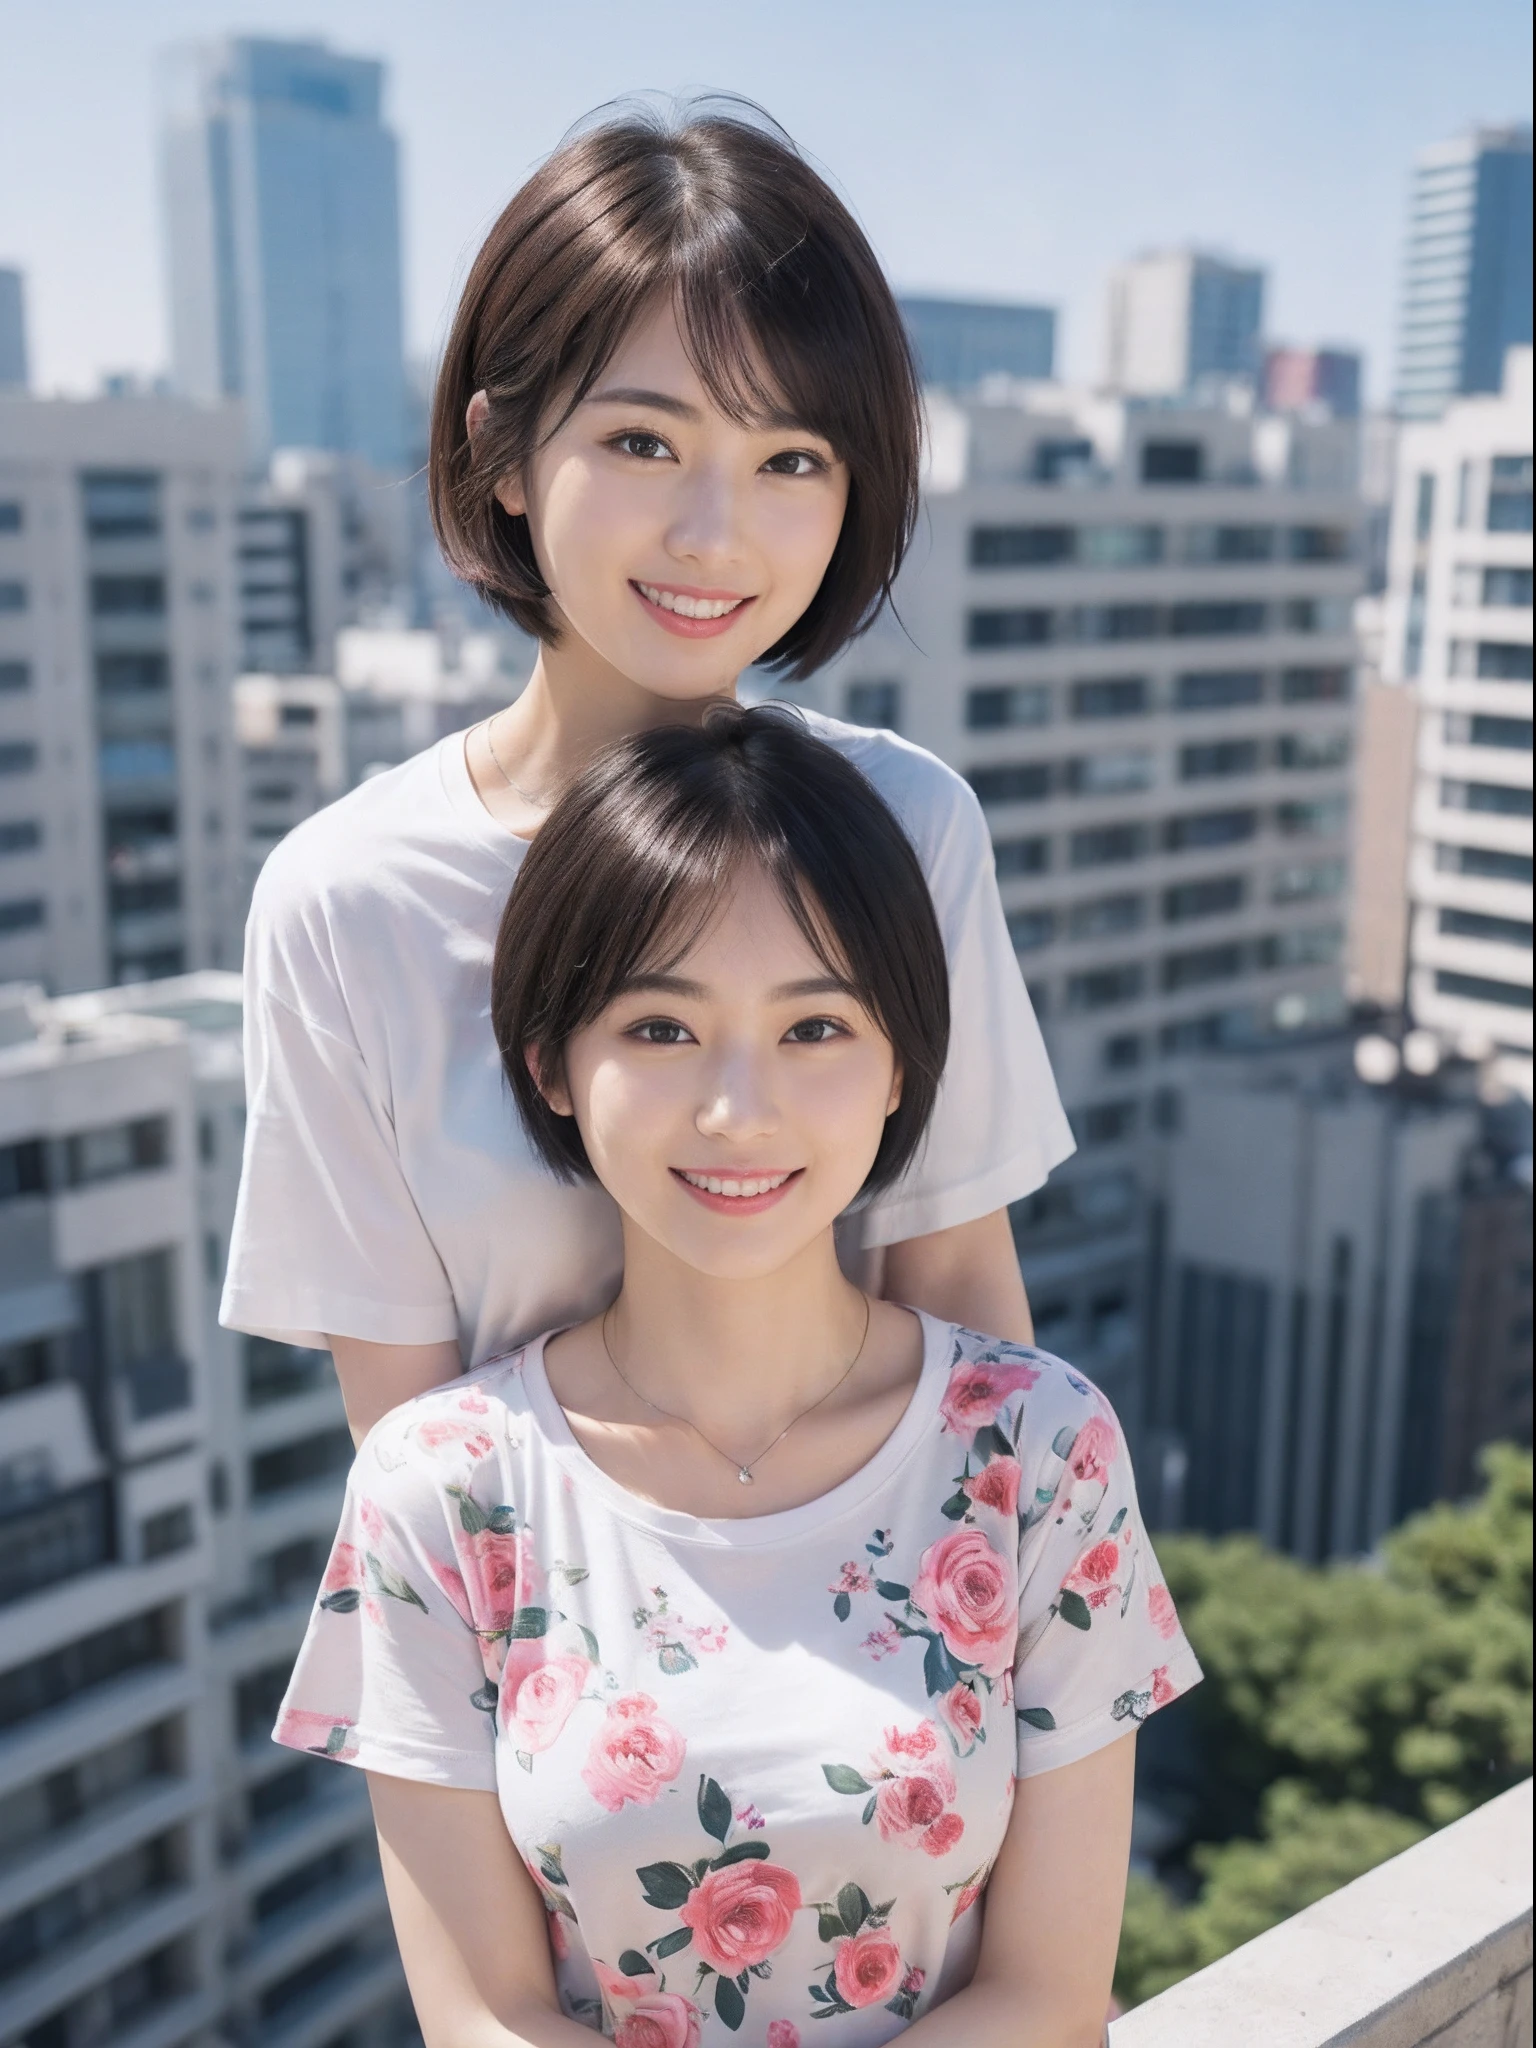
<point>678,544</point>
<point>733,1104</point>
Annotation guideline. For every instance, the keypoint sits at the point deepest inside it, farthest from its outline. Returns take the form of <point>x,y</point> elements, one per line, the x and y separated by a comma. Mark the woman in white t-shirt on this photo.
<point>676,432</point>
<point>714,1659</point>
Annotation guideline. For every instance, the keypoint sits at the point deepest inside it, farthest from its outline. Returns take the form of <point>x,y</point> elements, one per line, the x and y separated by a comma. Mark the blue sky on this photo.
<point>1003,149</point>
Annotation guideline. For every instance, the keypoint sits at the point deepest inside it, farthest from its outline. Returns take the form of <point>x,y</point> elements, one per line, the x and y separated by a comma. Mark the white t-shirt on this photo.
<point>389,1191</point>
<point>759,1769</point>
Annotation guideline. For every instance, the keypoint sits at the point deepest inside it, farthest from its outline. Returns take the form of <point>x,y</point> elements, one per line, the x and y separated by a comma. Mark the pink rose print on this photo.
<point>961,1711</point>
<point>868,1967</point>
<point>749,1817</point>
<point>914,1981</point>
<point>741,1914</point>
<point>1163,1688</point>
<point>968,1892</point>
<point>881,1642</point>
<point>616,1987</point>
<point>853,1579</point>
<point>783,2034</point>
<point>913,1746</point>
<point>633,1754</point>
<point>323,1734</point>
<point>976,1391</point>
<point>344,1573</point>
<point>1093,1576</point>
<point>539,1693</point>
<point>438,1433</point>
<point>996,1485</point>
<point>661,2019</point>
<point>1164,1617</point>
<point>967,1591</point>
<point>474,1403</point>
<point>371,1516</point>
<point>559,1940</point>
<point>1094,1450</point>
<point>911,1811</point>
<point>500,1574</point>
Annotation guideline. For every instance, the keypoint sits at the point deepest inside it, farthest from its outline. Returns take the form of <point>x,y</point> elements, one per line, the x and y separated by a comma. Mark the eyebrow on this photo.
<point>777,421</point>
<point>786,992</point>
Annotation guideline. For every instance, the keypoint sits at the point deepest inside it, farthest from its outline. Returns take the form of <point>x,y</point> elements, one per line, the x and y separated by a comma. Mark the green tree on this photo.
<point>1345,1712</point>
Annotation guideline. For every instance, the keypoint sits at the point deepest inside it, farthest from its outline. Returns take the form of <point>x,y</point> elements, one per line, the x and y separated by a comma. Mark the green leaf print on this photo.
<point>484,1697</point>
<point>1073,1609</point>
<point>1063,1441</point>
<point>888,1589</point>
<point>633,1964</point>
<point>939,1673</point>
<point>502,1520</point>
<point>670,1944</point>
<point>666,1885</point>
<point>957,1506</point>
<point>1037,1717</point>
<point>675,1660</point>
<point>828,1928</point>
<point>529,1622</point>
<point>991,1443</point>
<point>730,2006</point>
<point>853,1907</point>
<point>472,1517</point>
<point>740,1852</point>
<point>552,1865</point>
<point>844,1778</point>
<point>383,1580</point>
<point>842,1606</point>
<point>714,1809</point>
<point>1114,1527</point>
<point>347,1601</point>
<point>870,1805</point>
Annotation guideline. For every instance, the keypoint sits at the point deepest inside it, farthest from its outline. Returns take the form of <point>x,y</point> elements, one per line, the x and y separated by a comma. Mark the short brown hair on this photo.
<point>640,849</point>
<point>764,264</point>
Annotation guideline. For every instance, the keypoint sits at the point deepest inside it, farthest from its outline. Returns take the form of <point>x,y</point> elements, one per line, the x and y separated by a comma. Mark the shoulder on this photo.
<point>433,1450</point>
<point>937,807</point>
<point>1037,1401</point>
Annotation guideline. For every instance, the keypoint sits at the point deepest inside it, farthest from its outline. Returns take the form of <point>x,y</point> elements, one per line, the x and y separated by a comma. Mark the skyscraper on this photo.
<point>281,201</point>
<point>958,342</point>
<point>13,332</point>
<point>1467,277</point>
<point>1179,319</point>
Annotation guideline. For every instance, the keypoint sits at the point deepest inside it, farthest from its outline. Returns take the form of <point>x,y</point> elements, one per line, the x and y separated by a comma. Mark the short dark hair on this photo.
<point>765,265</point>
<point>629,865</point>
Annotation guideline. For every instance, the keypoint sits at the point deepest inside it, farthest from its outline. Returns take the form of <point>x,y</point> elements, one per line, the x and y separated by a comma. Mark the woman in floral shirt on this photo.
<point>840,1758</point>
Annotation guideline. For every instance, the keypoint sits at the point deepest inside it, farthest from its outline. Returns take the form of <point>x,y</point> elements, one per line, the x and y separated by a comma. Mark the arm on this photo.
<point>1048,1949</point>
<point>377,1377</point>
<point>468,1919</point>
<point>968,1274</point>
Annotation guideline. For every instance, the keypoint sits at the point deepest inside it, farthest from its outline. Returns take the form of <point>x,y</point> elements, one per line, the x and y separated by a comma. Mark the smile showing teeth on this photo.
<point>763,1185</point>
<point>689,607</point>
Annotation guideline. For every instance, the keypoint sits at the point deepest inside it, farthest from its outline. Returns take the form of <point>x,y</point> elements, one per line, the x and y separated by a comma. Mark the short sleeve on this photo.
<point>998,1126</point>
<point>1100,1646</point>
<point>391,1675</point>
<point>326,1236</point>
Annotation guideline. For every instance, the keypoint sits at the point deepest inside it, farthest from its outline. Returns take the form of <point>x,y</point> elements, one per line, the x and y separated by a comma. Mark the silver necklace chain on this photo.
<point>534,803</point>
<point>744,1468</point>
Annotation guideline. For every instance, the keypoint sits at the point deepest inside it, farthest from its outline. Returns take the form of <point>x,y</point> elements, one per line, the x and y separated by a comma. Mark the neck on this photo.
<point>574,704</point>
<point>738,1358</point>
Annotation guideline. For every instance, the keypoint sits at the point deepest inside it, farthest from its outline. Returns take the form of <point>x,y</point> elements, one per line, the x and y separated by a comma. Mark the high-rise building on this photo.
<point>1295,378</point>
<point>1181,321</point>
<point>168,1495</point>
<point>120,839</point>
<point>1467,275</point>
<point>283,240</point>
<point>1130,628</point>
<point>1458,633</point>
<point>959,342</point>
<point>13,331</point>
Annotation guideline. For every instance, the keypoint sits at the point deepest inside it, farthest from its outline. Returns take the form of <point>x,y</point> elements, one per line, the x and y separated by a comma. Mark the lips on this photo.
<point>691,614</point>
<point>738,1193</point>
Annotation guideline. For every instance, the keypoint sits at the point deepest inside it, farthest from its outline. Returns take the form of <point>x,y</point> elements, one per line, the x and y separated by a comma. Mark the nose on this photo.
<point>705,526</point>
<point>737,1101</point>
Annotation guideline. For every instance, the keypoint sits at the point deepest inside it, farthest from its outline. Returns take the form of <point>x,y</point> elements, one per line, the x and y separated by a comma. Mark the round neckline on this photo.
<point>459,788</point>
<point>744,1531</point>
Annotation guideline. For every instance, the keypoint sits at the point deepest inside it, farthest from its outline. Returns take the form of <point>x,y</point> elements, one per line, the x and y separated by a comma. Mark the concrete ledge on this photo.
<point>1431,1950</point>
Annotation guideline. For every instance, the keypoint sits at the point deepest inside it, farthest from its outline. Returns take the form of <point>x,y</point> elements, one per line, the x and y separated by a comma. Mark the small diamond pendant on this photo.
<point>744,1476</point>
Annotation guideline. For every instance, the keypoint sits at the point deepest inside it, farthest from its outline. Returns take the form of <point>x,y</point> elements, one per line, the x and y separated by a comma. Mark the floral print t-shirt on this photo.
<point>758,1769</point>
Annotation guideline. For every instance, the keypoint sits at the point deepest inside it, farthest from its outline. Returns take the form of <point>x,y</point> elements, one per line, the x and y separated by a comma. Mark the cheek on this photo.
<point>580,521</point>
<point>627,1119</point>
<point>798,537</point>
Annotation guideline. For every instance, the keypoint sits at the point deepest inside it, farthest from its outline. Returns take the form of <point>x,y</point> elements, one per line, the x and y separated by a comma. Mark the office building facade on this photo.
<point>1298,378</point>
<point>1130,629</point>
<point>13,330</point>
<point>960,342</point>
<point>282,222</point>
<point>1458,634</point>
<point>1180,322</point>
<point>119,787</point>
<point>1467,274</point>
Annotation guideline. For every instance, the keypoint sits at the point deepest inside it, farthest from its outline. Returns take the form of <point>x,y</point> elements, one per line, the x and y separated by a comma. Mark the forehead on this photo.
<point>747,937</point>
<point>653,362</point>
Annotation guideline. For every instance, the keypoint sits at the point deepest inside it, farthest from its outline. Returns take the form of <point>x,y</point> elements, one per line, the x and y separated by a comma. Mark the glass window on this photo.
<point>112,1150</point>
<point>1497,799</point>
<point>22,914</point>
<point>1021,547</point>
<point>1307,880</point>
<point>872,704</point>
<point>1172,462</point>
<point>17,757</point>
<point>1121,547</point>
<point>127,596</point>
<point>1108,845</point>
<point>1004,704</point>
<point>1502,661</point>
<point>13,597</point>
<point>1013,628</point>
<point>1507,587</point>
<point>1209,828</point>
<point>1031,929</point>
<point>1478,729</point>
<point>1312,749</point>
<point>1210,898</point>
<point>1318,543</point>
<point>1229,543</point>
<point>15,675</point>
<point>152,759</point>
<point>1105,774</point>
<point>121,504</point>
<point>1024,783</point>
<point>1481,988</point>
<point>1218,690</point>
<point>1021,857</point>
<point>1104,915</point>
<point>1497,931</point>
<point>1319,820</point>
<point>1119,621</point>
<point>20,835</point>
<point>1111,697</point>
<point>1060,461</point>
<point>1424,506</point>
<point>10,516</point>
<point>1315,685</point>
<point>1201,620</point>
<point>1494,866</point>
<point>1203,965</point>
<point>1123,1051</point>
<point>1318,615</point>
<point>1106,1123</point>
<point>129,675</point>
<point>1103,987</point>
<point>1313,946</point>
<point>1217,758</point>
<point>1509,494</point>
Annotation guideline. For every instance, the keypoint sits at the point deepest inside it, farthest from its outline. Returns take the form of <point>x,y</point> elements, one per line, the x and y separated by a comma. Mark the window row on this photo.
<point>1132,981</point>
<point>1478,729</point>
<point>1190,619</point>
<point>1486,861</point>
<point>40,1166</point>
<point>1134,768</point>
<point>1099,846</point>
<point>1482,988</point>
<point>995,706</point>
<point>1180,903</point>
<point>1493,931</point>
<point>1492,589</point>
<point>1491,661</point>
<point>1137,545</point>
<point>1495,799</point>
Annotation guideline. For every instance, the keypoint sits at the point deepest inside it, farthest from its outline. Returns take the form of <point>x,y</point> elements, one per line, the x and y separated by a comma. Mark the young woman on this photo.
<point>676,433</point>
<point>715,1632</point>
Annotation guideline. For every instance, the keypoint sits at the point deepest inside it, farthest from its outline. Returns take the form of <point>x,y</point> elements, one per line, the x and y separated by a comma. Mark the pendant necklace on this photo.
<point>534,803</point>
<point>744,1468</point>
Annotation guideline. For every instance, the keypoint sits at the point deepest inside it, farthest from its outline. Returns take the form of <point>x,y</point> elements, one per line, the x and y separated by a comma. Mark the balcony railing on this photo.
<point>55,1539</point>
<point>1431,1950</point>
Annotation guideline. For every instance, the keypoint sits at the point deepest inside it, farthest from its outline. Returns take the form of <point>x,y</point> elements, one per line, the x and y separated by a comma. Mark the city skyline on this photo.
<point>1010,193</point>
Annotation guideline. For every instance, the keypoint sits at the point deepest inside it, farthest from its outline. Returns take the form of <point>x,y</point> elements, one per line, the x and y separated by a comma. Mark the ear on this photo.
<point>552,1087</point>
<point>895,1102</point>
<point>509,491</point>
